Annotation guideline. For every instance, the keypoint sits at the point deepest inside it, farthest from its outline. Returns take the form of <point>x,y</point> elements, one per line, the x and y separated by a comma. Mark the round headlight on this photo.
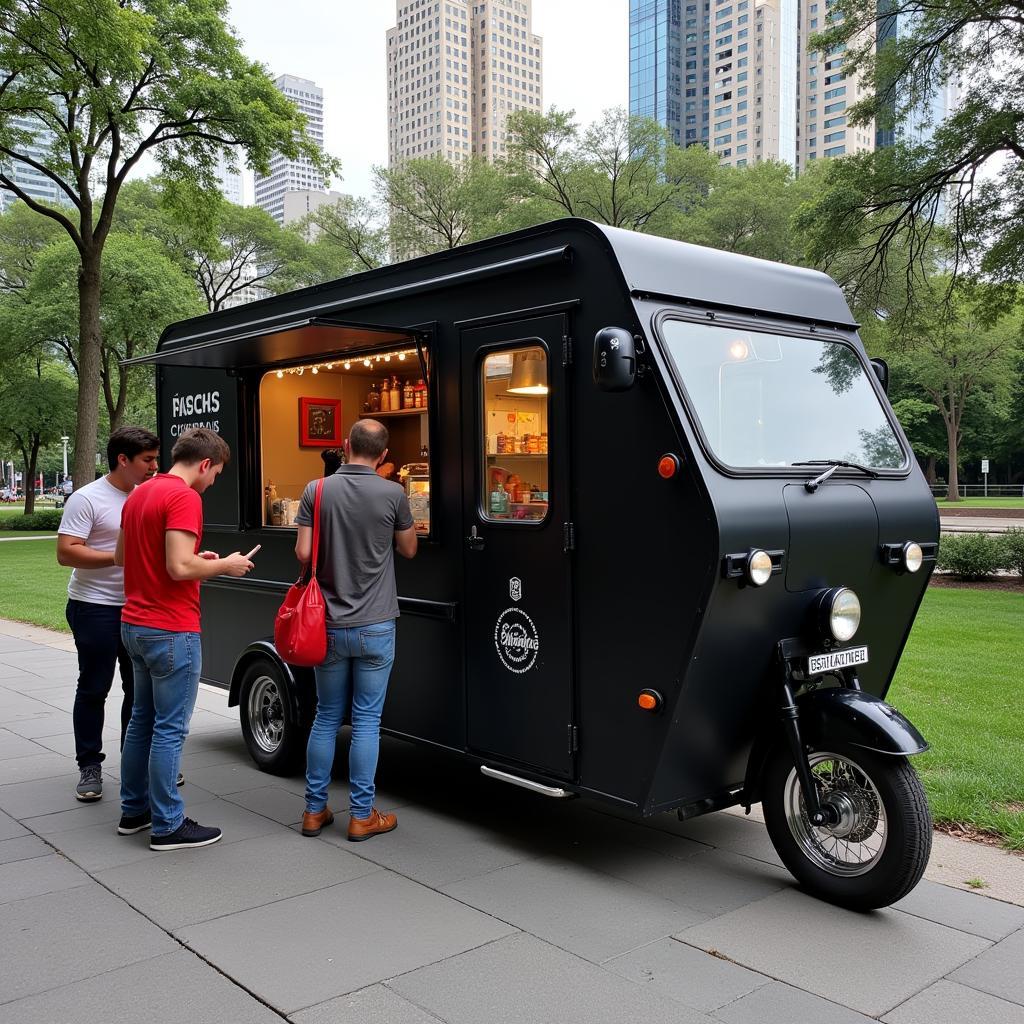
<point>844,614</point>
<point>759,567</point>
<point>913,556</point>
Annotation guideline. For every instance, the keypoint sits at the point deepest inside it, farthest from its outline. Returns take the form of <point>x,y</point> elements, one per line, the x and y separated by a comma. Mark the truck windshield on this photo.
<point>766,400</point>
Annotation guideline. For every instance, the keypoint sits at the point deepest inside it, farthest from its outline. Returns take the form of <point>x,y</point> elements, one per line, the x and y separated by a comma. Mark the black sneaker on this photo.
<point>90,783</point>
<point>189,834</point>
<point>132,823</point>
<point>181,779</point>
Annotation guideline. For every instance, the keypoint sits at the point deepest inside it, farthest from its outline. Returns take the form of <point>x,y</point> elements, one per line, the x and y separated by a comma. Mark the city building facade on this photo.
<point>32,182</point>
<point>287,175</point>
<point>456,70</point>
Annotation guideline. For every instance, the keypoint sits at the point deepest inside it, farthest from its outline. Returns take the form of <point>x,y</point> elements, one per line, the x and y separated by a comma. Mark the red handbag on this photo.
<point>300,629</point>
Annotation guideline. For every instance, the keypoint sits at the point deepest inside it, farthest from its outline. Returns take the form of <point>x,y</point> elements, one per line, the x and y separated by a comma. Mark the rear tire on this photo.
<point>274,727</point>
<point>879,849</point>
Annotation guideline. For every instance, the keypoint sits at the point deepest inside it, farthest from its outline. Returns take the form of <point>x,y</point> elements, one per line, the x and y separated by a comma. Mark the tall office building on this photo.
<point>287,175</point>
<point>456,70</point>
<point>230,181</point>
<point>723,75</point>
<point>32,182</point>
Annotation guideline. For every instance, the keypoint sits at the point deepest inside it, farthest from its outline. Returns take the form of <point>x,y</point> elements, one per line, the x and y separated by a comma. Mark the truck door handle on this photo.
<point>474,541</point>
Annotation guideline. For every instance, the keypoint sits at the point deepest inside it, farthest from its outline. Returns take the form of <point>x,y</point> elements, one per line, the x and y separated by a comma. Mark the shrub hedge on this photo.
<point>976,556</point>
<point>46,519</point>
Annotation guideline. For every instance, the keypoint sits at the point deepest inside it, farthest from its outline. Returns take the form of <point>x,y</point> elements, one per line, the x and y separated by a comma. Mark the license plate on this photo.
<point>817,664</point>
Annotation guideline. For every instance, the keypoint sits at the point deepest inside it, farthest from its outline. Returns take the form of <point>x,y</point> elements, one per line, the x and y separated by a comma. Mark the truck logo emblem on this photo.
<point>515,588</point>
<point>614,344</point>
<point>516,640</point>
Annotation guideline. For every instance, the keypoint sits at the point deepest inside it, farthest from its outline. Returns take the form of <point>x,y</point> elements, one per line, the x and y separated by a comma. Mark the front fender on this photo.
<point>861,719</point>
<point>257,649</point>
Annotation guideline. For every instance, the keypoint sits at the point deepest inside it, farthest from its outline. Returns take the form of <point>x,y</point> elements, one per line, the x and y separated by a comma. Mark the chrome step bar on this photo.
<point>514,780</point>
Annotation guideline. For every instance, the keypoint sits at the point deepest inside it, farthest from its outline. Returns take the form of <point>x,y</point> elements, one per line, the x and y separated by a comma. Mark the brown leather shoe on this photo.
<point>376,824</point>
<point>313,823</point>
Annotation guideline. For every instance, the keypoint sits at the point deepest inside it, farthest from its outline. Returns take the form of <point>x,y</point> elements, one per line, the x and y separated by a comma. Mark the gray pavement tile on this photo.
<point>965,911</point>
<point>945,1002</point>
<point>29,659</point>
<point>66,936</point>
<point>228,778</point>
<point>10,644</point>
<point>175,986</point>
<point>64,743</point>
<point>272,802</point>
<point>11,829</point>
<point>586,912</point>
<point>208,722</point>
<point>437,850</point>
<point>374,1005</point>
<point>61,696</point>
<point>44,723</point>
<point>687,975</point>
<point>339,939</point>
<point>44,765</point>
<point>746,836</point>
<point>521,980</point>
<point>39,796</point>
<point>775,1003</point>
<point>189,886</point>
<point>13,746</point>
<point>22,879</point>
<point>202,757</point>
<point>23,848</point>
<point>806,942</point>
<point>998,970</point>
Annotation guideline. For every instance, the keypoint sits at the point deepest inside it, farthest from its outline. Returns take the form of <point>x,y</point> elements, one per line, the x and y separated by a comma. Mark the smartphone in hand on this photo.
<point>253,552</point>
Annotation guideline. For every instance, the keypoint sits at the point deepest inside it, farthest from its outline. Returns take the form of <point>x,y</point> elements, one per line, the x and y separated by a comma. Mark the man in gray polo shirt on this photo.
<point>363,521</point>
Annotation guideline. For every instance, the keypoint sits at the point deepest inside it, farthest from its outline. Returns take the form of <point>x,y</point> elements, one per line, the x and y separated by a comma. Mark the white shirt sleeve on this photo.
<point>78,519</point>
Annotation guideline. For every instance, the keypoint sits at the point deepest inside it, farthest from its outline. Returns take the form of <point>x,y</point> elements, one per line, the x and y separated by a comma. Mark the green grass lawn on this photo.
<point>981,503</point>
<point>33,587</point>
<point>959,683</point>
<point>21,534</point>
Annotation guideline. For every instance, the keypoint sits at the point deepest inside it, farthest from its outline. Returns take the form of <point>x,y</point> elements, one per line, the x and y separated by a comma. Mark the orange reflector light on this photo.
<point>647,701</point>
<point>668,465</point>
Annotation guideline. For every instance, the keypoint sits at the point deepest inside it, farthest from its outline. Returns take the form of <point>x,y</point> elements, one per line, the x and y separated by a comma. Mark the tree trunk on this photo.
<point>953,482</point>
<point>30,477</point>
<point>929,472</point>
<point>89,361</point>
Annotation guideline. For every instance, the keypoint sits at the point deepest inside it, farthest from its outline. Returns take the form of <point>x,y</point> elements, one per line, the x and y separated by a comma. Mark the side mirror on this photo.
<point>614,359</point>
<point>881,368</point>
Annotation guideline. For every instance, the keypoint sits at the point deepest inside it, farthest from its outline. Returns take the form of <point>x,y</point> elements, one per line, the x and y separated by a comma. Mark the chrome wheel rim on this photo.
<point>266,714</point>
<point>854,845</point>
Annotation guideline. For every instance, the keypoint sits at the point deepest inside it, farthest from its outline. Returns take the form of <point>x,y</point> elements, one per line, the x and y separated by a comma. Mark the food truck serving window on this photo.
<point>306,413</point>
<point>768,400</point>
<point>514,389</point>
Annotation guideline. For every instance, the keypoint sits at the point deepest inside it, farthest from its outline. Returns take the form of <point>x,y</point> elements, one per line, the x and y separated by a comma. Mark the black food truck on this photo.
<point>672,537</point>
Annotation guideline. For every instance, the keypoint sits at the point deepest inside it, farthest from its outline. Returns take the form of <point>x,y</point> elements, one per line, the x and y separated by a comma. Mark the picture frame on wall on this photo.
<point>319,422</point>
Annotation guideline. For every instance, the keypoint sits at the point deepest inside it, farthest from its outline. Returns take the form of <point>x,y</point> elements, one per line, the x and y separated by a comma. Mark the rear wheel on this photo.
<point>274,729</point>
<point>878,848</point>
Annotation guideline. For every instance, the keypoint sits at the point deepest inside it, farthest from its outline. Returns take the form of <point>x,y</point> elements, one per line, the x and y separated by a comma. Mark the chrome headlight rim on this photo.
<point>840,614</point>
<point>911,556</point>
<point>759,567</point>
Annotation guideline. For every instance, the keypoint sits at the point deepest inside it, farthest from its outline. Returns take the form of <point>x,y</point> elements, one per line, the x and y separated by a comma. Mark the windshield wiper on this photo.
<point>812,485</point>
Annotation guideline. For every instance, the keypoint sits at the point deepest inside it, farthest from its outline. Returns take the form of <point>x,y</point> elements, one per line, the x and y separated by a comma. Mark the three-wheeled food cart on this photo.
<point>672,537</point>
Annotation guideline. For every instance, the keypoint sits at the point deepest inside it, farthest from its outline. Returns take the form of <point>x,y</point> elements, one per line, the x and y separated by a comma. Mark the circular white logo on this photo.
<point>516,640</point>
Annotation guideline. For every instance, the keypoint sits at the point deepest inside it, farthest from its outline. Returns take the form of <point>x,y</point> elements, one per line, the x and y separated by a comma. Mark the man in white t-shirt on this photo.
<point>86,540</point>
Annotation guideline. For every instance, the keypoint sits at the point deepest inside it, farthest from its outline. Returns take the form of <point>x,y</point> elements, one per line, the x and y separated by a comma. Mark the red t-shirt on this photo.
<point>152,598</point>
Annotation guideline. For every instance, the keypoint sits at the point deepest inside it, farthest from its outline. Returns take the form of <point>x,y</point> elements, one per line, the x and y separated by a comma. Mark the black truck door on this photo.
<point>518,535</point>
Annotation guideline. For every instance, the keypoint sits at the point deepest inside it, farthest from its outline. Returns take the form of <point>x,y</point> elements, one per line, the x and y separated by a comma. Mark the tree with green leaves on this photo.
<point>960,183</point>
<point>348,236</point>
<point>111,82</point>
<point>37,405</point>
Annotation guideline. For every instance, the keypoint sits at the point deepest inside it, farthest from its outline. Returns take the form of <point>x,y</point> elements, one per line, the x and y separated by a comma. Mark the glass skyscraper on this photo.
<point>654,64</point>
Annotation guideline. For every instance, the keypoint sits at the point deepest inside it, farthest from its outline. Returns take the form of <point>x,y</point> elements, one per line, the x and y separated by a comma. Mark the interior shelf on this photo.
<point>392,412</point>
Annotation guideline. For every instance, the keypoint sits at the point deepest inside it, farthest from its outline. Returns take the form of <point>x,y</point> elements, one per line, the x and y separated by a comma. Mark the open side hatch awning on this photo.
<point>269,343</point>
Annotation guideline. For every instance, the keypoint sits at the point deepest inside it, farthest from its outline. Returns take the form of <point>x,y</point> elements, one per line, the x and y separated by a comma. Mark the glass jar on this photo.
<point>408,395</point>
<point>373,399</point>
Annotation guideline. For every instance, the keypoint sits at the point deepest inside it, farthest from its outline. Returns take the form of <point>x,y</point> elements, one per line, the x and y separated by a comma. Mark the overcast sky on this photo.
<point>340,45</point>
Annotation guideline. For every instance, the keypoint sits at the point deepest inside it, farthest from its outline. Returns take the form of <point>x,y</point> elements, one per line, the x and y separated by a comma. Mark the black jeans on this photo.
<point>97,630</point>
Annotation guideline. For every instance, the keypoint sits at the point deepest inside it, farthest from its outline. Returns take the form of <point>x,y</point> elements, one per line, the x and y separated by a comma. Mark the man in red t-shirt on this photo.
<point>161,529</point>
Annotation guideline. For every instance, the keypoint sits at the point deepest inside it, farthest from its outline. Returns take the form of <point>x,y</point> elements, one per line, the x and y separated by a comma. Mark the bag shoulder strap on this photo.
<point>316,525</point>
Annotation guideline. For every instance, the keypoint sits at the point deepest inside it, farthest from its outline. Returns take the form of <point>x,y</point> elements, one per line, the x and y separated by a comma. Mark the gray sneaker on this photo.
<point>90,783</point>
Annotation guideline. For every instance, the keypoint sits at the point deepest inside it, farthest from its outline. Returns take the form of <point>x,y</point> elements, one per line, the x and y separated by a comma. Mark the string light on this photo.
<point>315,369</point>
<point>368,361</point>
<point>348,366</point>
<point>280,374</point>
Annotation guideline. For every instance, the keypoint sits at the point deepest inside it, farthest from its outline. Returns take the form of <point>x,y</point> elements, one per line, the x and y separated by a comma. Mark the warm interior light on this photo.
<point>529,374</point>
<point>330,365</point>
<point>315,370</point>
<point>348,366</point>
<point>366,362</point>
<point>401,355</point>
<point>738,349</point>
<point>280,374</point>
<point>387,359</point>
<point>300,370</point>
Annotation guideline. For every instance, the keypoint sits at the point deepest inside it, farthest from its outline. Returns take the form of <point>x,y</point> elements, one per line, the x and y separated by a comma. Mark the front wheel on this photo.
<point>274,731</point>
<point>878,848</point>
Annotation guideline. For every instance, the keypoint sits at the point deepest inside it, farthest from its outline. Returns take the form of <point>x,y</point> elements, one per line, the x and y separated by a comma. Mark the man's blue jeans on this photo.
<point>356,670</point>
<point>166,667</point>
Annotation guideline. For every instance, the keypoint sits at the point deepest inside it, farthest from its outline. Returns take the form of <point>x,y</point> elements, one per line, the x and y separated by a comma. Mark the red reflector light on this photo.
<point>647,701</point>
<point>668,466</point>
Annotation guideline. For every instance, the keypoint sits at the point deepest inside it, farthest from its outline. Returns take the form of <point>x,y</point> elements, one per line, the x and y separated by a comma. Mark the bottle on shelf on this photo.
<point>385,396</point>
<point>421,394</point>
<point>373,399</point>
<point>424,452</point>
<point>396,394</point>
<point>408,395</point>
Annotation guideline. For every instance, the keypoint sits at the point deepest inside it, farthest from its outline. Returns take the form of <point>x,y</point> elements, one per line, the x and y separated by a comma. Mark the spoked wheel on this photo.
<point>274,733</point>
<point>876,848</point>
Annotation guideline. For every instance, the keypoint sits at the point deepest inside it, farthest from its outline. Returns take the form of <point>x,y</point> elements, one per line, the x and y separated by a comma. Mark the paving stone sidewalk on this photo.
<point>488,904</point>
